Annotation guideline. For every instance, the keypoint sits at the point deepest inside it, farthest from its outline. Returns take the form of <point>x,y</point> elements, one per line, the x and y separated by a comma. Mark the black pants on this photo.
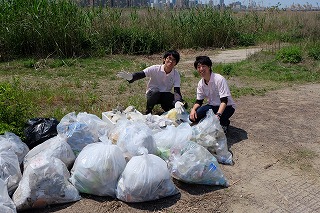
<point>224,119</point>
<point>165,99</point>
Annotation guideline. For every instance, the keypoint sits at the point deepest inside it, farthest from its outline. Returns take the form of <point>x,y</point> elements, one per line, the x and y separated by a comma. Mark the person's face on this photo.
<point>170,61</point>
<point>203,70</point>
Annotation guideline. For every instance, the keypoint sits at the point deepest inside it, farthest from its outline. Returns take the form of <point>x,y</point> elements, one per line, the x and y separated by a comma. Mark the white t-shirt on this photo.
<point>159,80</point>
<point>217,88</point>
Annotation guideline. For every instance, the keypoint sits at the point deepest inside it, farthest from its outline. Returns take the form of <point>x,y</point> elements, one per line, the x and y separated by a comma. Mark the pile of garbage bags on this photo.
<point>126,155</point>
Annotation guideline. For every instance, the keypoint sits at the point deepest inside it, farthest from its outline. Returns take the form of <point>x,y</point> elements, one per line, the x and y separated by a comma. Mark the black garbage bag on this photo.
<point>38,130</point>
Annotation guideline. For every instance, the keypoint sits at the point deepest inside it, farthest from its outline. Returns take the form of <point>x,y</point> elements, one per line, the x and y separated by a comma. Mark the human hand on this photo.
<point>125,75</point>
<point>193,115</point>
<point>179,107</point>
<point>218,115</point>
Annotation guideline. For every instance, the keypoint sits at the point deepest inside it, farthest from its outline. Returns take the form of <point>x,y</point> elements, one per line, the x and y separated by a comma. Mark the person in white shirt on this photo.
<point>215,89</point>
<point>163,78</point>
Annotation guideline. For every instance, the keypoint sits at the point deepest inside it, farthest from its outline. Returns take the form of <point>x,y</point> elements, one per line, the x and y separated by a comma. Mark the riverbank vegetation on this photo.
<point>57,57</point>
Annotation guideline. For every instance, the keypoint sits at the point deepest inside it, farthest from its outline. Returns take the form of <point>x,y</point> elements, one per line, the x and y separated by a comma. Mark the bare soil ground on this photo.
<point>275,141</point>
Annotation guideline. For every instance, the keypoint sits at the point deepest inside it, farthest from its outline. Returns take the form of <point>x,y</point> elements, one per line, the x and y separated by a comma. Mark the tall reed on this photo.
<point>43,27</point>
<point>62,28</point>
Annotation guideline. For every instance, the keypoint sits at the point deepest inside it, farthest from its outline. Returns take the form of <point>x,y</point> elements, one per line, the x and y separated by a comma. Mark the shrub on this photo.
<point>290,54</point>
<point>314,51</point>
<point>246,39</point>
<point>15,108</point>
<point>227,69</point>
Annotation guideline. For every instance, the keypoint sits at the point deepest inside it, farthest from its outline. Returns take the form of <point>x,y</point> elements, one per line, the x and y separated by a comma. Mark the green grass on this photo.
<point>91,84</point>
<point>271,69</point>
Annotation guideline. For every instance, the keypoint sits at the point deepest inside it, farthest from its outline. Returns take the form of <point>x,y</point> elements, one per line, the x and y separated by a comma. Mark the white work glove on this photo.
<point>179,107</point>
<point>125,75</point>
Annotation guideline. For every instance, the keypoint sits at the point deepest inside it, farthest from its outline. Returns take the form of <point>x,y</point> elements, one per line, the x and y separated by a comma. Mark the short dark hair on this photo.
<point>174,54</point>
<point>204,60</point>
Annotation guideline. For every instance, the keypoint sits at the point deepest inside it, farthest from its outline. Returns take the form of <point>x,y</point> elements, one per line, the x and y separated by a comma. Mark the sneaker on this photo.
<point>225,129</point>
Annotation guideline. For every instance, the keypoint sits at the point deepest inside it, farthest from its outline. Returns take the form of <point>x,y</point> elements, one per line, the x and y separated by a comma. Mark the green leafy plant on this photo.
<point>227,69</point>
<point>15,108</point>
<point>314,51</point>
<point>290,54</point>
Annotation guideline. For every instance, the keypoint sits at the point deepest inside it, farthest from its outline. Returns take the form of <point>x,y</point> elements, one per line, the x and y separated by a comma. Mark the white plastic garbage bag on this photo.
<point>54,147</point>
<point>135,136</point>
<point>6,204</point>
<point>164,140</point>
<point>97,126</point>
<point>119,127</point>
<point>44,182</point>
<point>10,141</point>
<point>192,163</point>
<point>10,170</point>
<point>184,133</point>
<point>156,122</point>
<point>97,169</point>
<point>145,178</point>
<point>170,135</point>
<point>209,133</point>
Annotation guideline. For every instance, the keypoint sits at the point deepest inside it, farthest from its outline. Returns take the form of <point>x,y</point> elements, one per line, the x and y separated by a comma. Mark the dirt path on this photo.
<point>275,141</point>
<point>222,56</point>
<point>276,149</point>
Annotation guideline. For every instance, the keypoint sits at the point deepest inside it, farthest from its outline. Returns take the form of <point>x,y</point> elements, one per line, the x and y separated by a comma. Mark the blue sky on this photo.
<point>268,3</point>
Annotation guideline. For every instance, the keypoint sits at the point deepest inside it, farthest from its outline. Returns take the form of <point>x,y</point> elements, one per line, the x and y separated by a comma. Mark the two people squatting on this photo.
<point>164,78</point>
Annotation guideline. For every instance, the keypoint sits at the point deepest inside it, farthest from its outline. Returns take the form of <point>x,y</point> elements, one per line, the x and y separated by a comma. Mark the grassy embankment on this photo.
<point>57,58</point>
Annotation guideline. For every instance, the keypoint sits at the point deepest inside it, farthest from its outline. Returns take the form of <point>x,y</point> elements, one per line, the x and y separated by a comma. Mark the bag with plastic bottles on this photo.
<point>170,135</point>
<point>45,181</point>
<point>135,136</point>
<point>77,133</point>
<point>97,126</point>
<point>145,178</point>
<point>97,169</point>
<point>192,163</point>
<point>164,140</point>
<point>209,133</point>
<point>119,127</point>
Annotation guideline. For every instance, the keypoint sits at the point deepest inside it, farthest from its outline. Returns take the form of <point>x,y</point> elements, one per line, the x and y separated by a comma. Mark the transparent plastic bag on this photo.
<point>184,133</point>
<point>164,140</point>
<point>135,136</point>
<point>156,122</point>
<point>53,147</point>
<point>77,133</point>
<point>10,169</point>
<point>145,178</point>
<point>44,182</point>
<point>10,141</point>
<point>119,127</point>
<point>170,135</point>
<point>6,204</point>
<point>97,126</point>
<point>192,163</point>
<point>209,133</point>
<point>97,169</point>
